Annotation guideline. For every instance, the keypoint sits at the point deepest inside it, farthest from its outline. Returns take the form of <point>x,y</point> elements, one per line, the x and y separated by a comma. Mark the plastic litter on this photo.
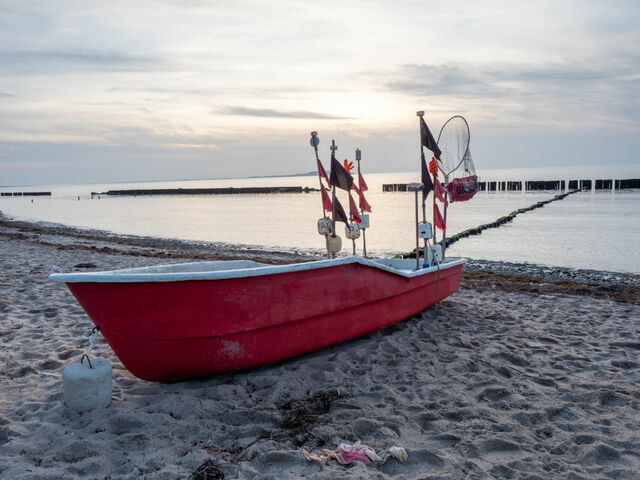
<point>347,453</point>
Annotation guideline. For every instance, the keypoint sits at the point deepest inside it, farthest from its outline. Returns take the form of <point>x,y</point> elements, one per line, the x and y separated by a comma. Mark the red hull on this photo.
<point>171,330</point>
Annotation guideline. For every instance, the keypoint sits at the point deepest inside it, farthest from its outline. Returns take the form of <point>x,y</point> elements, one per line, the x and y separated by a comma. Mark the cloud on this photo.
<point>575,93</point>
<point>269,113</point>
<point>47,61</point>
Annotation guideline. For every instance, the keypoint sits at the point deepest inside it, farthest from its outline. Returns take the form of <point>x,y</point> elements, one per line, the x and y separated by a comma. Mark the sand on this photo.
<point>491,384</point>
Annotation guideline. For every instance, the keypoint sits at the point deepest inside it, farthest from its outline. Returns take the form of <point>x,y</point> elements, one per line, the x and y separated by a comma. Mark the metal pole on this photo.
<point>417,236</point>
<point>444,232</point>
<point>314,143</point>
<point>333,148</point>
<point>416,187</point>
<point>364,230</point>
<point>420,114</point>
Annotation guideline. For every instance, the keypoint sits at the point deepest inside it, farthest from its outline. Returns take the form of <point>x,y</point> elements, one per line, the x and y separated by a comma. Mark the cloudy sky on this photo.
<point>95,91</point>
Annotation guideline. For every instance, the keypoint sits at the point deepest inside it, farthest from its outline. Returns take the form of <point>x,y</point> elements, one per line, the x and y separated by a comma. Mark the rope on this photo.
<point>92,340</point>
<point>114,385</point>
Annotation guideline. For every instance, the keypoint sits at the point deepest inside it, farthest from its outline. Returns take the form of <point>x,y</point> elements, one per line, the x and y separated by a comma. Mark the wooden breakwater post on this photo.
<point>539,185</point>
<point>629,183</point>
<point>25,194</point>
<point>394,187</point>
<point>208,191</point>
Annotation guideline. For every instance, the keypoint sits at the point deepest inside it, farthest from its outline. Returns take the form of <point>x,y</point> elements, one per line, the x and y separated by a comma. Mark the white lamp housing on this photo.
<point>425,230</point>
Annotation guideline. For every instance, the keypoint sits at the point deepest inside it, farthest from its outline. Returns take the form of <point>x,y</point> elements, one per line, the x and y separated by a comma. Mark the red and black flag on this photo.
<point>440,194</point>
<point>326,201</point>
<point>323,173</point>
<point>426,180</point>
<point>437,219</point>
<point>364,205</point>
<point>338,211</point>
<point>354,210</point>
<point>428,140</point>
<point>339,176</point>
<point>361,182</point>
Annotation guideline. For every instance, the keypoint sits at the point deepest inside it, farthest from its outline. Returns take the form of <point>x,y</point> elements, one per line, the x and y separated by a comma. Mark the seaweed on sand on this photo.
<point>208,471</point>
<point>301,415</point>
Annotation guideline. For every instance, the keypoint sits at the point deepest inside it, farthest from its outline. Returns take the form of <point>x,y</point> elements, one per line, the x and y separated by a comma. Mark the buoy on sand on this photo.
<point>87,385</point>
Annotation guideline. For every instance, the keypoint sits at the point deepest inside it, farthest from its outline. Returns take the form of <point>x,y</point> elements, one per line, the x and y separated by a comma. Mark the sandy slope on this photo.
<point>489,385</point>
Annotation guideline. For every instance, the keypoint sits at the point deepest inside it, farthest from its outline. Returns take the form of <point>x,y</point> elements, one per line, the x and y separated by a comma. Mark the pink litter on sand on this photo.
<point>345,454</point>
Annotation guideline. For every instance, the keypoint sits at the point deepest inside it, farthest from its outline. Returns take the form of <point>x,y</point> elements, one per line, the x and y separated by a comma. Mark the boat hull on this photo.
<point>171,330</point>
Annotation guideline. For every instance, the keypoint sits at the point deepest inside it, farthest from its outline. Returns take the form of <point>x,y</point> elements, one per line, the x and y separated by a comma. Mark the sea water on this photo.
<point>595,229</point>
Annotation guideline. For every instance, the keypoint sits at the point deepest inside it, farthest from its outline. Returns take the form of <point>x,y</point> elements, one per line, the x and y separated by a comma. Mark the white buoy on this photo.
<point>334,244</point>
<point>87,386</point>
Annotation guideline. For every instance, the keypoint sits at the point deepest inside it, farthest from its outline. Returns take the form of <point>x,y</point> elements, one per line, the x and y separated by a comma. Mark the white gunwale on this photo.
<point>220,270</point>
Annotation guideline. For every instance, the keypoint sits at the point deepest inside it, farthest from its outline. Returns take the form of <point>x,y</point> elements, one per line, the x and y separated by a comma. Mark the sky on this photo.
<point>95,91</point>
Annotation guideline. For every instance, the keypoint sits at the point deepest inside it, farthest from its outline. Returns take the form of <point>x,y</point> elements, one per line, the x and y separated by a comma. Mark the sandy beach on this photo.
<point>522,374</point>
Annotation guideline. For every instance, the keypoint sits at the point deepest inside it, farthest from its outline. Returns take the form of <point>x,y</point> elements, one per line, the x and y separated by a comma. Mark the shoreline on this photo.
<point>478,274</point>
<point>508,377</point>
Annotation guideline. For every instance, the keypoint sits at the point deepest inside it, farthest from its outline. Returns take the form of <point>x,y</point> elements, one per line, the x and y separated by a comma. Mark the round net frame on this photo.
<point>453,142</point>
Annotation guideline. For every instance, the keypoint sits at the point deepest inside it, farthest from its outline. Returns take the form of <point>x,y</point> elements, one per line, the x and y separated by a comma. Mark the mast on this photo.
<point>364,234</point>
<point>420,114</point>
<point>333,148</point>
<point>444,232</point>
<point>315,141</point>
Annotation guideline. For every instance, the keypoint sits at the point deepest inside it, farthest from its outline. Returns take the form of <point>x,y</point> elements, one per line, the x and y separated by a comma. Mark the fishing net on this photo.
<point>453,141</point>
<point>455,160</point>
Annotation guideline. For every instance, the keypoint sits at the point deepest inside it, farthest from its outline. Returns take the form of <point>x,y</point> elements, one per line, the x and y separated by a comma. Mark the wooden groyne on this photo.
<point>540,185</point>
<point>207,191</point>
<point>25,194</point>
<point>507,218</point>
<point>499,222</point>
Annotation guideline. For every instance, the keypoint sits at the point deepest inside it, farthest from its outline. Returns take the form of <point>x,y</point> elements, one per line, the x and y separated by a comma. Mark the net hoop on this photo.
<point>459,123</point>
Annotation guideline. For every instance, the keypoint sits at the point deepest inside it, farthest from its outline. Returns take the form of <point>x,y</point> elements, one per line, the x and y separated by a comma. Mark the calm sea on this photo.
<point>597,230</point>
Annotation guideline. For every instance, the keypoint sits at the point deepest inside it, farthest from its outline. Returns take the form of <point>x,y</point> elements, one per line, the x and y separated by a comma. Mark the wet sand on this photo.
<point>515,376</point>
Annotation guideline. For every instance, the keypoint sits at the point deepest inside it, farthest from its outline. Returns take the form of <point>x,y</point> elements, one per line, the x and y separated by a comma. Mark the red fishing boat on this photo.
<point>177,321</point>
<point>172,322</point>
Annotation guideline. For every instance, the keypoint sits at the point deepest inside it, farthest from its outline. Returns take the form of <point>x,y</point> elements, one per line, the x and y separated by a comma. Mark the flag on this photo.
<point>437,219</point>
<point>323,173</point>
<point>338,212</point>
<point>433,166</point>
<point>339,176</point>
<point>426,180</point>
<point>326,201</point>
<point>439,192</point>
<point>355,187</point>
<point>361,182</point>
<point>364,205</point>
<point>428,140</point>
<point>354,209</point>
